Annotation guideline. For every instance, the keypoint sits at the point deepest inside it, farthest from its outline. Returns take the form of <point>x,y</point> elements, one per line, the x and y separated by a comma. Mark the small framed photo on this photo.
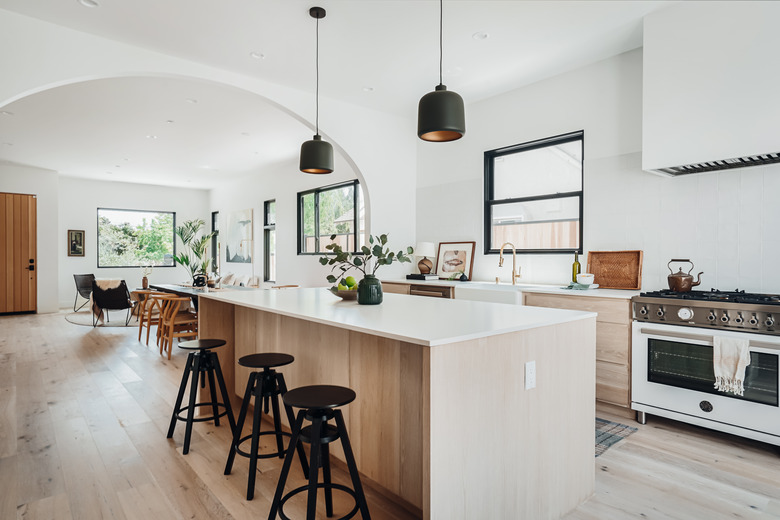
<point>454,258</point>
<point>75,242</point>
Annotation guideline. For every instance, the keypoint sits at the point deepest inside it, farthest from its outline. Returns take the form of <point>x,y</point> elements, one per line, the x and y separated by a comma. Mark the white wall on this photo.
<point>725,222</point>
<point>78,203</point>
<point>283,184</point>
<point>62,56</point>
<point>43,184</point>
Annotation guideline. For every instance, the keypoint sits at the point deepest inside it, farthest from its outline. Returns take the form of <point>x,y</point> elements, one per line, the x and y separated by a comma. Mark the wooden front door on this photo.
<point>18,277</point>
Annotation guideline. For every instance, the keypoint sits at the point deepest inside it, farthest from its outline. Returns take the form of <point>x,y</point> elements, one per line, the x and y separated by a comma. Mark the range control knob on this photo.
<point>705,406</point>
<point>711,316</point>
<point>724,318</point>
<point>769,321</point>
<point>643,311</point>
<point>753,320</point>
<point>660,312</point>
<point>739,319</point>
<point>685,313</point>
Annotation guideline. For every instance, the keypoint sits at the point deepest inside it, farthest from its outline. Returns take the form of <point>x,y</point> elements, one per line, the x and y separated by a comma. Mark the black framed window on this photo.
<point>331,210</point>
<point>534,195</point>
<point>215,241</point>
<point>269,240</point>
<point>135,238</point>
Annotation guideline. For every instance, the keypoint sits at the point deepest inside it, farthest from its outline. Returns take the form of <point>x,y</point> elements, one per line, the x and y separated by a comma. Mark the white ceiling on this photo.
<point>378,54</point>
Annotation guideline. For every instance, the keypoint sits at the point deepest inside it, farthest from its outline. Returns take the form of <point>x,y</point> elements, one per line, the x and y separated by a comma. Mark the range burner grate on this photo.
<point>736,296</point>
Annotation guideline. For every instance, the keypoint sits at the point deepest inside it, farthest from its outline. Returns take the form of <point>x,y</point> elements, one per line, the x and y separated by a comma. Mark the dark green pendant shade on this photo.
<point>316,156</point>
<point>440,116</point>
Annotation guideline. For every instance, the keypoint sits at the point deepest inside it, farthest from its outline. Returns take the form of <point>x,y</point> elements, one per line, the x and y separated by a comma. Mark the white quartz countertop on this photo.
<point>420,320</point>
<point>535,288</point>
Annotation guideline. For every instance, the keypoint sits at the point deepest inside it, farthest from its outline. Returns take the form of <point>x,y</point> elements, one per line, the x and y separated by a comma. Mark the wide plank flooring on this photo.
<point>84,413</point>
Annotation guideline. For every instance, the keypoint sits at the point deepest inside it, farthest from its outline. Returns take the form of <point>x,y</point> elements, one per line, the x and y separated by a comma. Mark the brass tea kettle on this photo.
<point>679,281</point>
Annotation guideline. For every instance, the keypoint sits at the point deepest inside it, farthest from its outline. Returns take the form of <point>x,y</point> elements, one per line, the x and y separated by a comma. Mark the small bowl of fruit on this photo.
<point>346,289</point>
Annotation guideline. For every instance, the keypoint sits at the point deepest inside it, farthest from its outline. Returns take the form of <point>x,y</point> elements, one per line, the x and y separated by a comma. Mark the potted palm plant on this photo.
<point>367,262</point>
<point>193,256</point>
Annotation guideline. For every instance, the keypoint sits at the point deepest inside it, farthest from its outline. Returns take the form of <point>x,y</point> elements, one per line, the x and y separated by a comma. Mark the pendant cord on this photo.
<point>317,90</point>
<point>441,47</point>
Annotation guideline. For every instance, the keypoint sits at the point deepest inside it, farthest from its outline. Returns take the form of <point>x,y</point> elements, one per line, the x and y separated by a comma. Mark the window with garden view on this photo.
<point>533,195</point>
<point>134,238</point>
<point>332,210</point>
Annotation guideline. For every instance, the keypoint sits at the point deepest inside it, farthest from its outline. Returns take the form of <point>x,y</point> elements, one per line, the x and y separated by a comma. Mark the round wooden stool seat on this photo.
<point>202,344</point>
<point>319,397</point>
<point>266,360</point>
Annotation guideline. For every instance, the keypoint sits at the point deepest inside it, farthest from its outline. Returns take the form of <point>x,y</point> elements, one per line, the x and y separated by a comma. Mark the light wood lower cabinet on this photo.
<point>613,342</point>
<point>435,291</point>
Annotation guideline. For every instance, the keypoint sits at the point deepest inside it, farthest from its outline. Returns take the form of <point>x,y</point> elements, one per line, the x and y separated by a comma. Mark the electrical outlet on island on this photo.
<point>530,375</point>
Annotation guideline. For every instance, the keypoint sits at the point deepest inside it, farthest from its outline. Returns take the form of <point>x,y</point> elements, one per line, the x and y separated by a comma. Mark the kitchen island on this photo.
<point>442,418</point>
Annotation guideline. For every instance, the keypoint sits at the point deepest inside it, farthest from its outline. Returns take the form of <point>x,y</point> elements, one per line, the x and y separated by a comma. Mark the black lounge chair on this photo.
<point>83,289</point>
<point>114,299</point>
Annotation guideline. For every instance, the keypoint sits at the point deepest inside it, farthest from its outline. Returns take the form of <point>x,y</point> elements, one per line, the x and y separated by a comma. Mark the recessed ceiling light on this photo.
<point>89,3</point>
<point>117,166</point>
<point>151,137</point>
<point>368,89</point>
<point>188,180</point>
<point>169,120</point>
<point>191,100</point>
<point>257,55</point>
<point>480,36</point>
<point>245,134</point>
<point>8,144</point>
<point>6,113</point>
<point>109,173</point>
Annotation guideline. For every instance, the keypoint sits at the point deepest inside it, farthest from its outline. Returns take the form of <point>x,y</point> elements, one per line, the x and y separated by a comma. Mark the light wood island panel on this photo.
<point>613,344</point>
<point>450,429</point>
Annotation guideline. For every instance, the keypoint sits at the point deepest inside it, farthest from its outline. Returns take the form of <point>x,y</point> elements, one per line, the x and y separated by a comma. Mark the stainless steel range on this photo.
<point>672,369</point>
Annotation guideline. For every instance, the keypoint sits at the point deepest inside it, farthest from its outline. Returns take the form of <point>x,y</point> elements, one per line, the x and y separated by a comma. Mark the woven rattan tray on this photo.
<point>616,269</point>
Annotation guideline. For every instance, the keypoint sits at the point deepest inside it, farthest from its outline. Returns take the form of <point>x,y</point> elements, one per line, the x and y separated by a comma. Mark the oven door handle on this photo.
<point>754,345</point>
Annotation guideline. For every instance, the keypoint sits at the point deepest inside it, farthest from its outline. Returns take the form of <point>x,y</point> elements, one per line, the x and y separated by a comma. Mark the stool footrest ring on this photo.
<point>183,409</point>
<point>320,485</point>
<point>260,455</point>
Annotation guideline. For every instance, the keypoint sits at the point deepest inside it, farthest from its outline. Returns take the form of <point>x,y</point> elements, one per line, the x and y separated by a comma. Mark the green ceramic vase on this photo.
<point>369,290</point>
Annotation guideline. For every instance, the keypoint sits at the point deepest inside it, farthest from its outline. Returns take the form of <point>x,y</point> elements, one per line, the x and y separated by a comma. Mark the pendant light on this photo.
<point>316,154</point>
<point>440,114</point>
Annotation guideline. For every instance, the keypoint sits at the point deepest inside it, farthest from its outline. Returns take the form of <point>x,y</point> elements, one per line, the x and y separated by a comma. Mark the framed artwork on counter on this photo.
<point>75,242</point>
<point>454,258</point>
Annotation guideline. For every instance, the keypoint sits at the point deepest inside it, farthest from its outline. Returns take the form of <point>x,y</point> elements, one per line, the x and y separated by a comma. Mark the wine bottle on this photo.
<point>575,268</point>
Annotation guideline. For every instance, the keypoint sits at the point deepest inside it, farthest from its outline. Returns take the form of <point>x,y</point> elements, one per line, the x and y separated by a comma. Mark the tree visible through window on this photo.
<point>533,195</point>
<point>133,238</point>
<point>333,210</point>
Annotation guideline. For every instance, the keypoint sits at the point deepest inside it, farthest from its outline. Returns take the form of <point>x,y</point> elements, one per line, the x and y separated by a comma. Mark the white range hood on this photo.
<point>711,87</point>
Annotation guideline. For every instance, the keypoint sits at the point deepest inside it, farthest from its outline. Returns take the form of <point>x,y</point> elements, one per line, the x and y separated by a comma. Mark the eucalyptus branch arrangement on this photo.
<point>367,262</point>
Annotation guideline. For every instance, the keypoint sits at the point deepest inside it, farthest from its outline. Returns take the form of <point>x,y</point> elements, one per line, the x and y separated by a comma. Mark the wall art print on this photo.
<point>238,240</point>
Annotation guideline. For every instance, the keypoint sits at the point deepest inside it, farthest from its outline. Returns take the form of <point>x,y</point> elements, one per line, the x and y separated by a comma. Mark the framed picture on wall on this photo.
<point>75,242</point>
<point>454,258</point>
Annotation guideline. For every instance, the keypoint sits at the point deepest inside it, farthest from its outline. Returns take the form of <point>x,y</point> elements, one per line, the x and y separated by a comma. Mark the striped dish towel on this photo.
<point>730,357</point>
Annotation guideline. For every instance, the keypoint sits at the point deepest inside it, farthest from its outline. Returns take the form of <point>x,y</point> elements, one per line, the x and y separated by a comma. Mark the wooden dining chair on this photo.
<point>176,322</point>
<point>149,306</point>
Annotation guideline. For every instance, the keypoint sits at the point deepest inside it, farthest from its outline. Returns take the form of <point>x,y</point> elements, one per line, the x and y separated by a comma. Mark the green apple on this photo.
<point>353,288</point>
<point>350,281</point>
<point>342,288</point>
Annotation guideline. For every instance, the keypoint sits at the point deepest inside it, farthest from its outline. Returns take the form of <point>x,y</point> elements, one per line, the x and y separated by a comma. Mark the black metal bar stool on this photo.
<point>319,404</point>
<point>202,360</point>
<point>264,386</point>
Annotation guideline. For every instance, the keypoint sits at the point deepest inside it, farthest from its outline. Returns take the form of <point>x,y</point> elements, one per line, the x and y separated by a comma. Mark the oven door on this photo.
<point>672,370</point>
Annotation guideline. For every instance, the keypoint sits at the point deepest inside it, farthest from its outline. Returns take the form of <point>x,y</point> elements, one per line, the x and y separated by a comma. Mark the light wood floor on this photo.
<point>84,412</point>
